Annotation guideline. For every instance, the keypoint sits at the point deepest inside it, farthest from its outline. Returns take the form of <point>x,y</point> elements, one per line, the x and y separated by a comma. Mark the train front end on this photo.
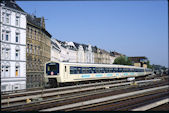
<point>52,74</point>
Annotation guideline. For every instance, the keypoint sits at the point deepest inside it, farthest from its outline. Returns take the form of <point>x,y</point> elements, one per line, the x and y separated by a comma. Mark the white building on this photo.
<point>84,53</point>
<point>89,55</point>
<point>80,53</point>
<point>72,51</point>
<point>55,50</point>
<point>13,46</point>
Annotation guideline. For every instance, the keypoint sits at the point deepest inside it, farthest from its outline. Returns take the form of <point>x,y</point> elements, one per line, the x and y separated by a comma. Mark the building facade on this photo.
<point>80,53</point>
<point>114,55</point>
<point>72,51</point>
<point>88,54</point>
<point>140,61</point>
<point>13,46</point>
<point>55,50</point>
<point>38,51</point>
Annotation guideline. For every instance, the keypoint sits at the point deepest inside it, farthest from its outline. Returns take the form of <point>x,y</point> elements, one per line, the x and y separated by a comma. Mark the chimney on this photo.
<point>43,22</point>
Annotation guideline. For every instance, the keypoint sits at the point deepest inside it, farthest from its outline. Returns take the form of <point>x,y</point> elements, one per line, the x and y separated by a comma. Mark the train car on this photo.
<point>65,72</point>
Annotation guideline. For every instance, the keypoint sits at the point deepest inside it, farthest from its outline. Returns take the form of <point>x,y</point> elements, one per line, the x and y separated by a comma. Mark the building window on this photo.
<point>17,71</point>
<point>17,20</point>
<point>17,38</point>
<point>3,16</point>
<point>27,48</point>
<point>3,35</point>
<point>7,35</point>
<point>3,87</point>
<point>7,71</point>
<point>17,54</point>
<point>7,53</point>
<point>35,34</point>
<point>38,50</point>
<point>3,53</point>
<point>2,71</point>
<point>30,33</point>
<point>35,50</point>
<point>31,49</point>
<point>7,18</point>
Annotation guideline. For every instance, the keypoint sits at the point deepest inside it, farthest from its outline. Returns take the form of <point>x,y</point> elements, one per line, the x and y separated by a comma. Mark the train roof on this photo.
<point>93,64</point>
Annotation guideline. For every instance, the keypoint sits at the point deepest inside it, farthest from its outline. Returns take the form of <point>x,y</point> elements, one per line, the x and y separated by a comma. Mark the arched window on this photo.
<point>3,52</point>
<point>7,34</point>
<point>17,53</point>
<point>7,52</point>
<point>3,35</point>
<point>2,70</point>
<point>7,70</point>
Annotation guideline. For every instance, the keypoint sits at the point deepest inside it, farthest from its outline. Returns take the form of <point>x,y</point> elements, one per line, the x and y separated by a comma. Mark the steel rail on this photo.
<point>59,99</point>
<point>3,101</point>
<point>103,99</point>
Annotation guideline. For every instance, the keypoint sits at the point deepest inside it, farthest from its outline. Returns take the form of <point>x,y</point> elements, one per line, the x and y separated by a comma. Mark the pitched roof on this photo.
<point>37,22</point>
<point>55,44</point>
<point>113,53</point>
<point>33,20</point>
<point>12,4</point>
<point>76,44</point>
<point>94,49</point>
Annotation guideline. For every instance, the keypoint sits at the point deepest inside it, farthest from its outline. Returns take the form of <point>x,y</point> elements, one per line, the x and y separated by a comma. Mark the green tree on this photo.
<point>148,65</point>
<point>122,60</point>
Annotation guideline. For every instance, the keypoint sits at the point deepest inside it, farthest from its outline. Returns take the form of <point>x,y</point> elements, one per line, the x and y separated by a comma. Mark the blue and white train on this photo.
<point>65,72</point>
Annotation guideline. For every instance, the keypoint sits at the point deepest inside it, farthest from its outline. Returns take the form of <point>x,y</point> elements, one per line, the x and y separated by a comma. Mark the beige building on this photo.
<point>101,56</point>
<point>38,42</point>
<point>139,61</point>
<point>114,55</point>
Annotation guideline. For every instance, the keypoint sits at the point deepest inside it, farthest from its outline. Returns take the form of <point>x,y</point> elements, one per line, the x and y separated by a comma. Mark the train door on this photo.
<point>65,71</point>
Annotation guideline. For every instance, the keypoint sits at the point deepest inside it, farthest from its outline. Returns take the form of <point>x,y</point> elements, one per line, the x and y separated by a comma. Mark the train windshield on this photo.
<point>52,68</point>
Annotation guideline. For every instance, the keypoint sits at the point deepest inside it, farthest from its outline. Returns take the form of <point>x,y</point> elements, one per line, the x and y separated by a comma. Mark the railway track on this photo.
<point>57,101</point>
<point>126,104</point>
<point>24,92</point>
<point>34,91</point>
<point>115,98</point>
<point>45,96</point>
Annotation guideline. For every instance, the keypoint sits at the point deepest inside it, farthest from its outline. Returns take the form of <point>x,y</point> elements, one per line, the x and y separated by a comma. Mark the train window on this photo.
<point>102,70</point>
<point>97,70</point>
<point>115,69</point>
<point>93,70</point>
<point>79,70</point>
<point>119,69</point>
<point>84,70</point>
<point>87,70</point>
<point>52,68</point>
<point>73,70</point>
<point>106,70</point>
<point>124,70</point>
<point>90,69</point>
<point>111,70</point>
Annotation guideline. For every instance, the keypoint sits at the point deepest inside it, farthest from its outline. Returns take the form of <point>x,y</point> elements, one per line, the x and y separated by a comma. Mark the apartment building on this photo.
<point>13,46</point>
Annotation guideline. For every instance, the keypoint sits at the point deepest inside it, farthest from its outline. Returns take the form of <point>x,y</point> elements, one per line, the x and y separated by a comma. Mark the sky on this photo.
<point>133,28</point>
